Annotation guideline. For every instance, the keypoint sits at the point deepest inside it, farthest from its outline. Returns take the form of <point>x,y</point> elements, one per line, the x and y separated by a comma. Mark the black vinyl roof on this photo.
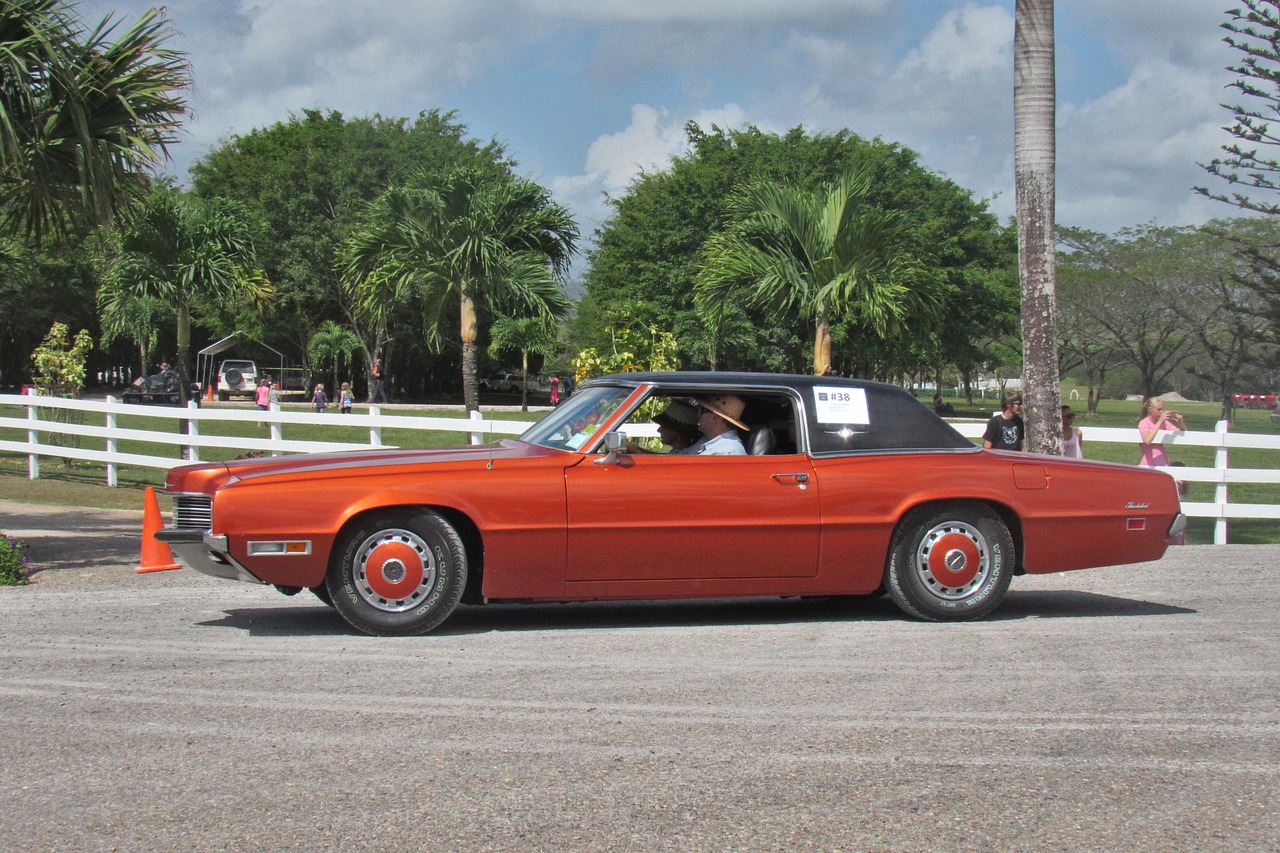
<point>897,420</point>
<point>723,379</point>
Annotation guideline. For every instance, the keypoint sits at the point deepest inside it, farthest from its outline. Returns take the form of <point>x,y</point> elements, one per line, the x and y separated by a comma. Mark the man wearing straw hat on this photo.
<point>717,418</point>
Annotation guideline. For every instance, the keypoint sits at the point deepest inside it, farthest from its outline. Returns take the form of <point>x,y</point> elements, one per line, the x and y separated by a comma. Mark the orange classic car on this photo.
<point>828,487</point>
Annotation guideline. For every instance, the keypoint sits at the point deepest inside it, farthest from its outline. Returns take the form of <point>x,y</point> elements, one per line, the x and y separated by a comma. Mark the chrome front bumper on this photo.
<point>206,553</point>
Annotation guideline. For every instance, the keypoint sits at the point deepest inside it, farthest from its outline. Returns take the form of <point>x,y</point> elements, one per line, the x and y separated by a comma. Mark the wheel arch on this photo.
<point>468,530</point>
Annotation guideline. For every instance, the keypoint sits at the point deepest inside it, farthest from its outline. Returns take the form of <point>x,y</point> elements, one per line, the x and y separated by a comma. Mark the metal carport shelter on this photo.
<point>206,375</point>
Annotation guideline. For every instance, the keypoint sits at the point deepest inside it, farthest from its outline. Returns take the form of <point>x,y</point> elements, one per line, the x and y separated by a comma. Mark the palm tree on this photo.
<point>1034,160</point>
<point>468,238</point>
<point>335,343</point>
<point>82,118</point>
<point>527,334</point>
<point>125,314</point>
<point>814,255</point>
<point>185,252</point>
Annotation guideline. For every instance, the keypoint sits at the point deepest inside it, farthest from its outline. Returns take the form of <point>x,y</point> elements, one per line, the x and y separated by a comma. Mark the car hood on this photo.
<point>505,449</point>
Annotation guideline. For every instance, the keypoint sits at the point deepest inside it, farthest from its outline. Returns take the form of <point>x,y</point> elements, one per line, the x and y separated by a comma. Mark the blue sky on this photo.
<point>585,93</point>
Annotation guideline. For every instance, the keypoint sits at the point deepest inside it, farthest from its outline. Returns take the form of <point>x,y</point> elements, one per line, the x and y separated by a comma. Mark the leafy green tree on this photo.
<point>333,343</point>
<point>647,256</point>
<point>192,254</point>
<point>41,285</point>
<point>59,371</point>
<point>630,349</point>
<point>59,362</point>
<point>815,255</point>
<point>1127,285</point>
<point>528,335</point>
<point>307,181</point>
<point>462,239</point>
<point>1034,163</point>
<point>128,315</point>
<point>83,116</point>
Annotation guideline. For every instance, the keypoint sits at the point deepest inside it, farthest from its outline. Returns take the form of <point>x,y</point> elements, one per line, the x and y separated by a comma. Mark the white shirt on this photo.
<point>725,444</point>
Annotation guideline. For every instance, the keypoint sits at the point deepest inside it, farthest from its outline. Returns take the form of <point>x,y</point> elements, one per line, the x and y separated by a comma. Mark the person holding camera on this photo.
<point>1154,419</point>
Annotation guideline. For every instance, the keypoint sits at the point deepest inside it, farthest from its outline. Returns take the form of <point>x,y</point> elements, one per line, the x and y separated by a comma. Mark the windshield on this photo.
<point>574,423</point>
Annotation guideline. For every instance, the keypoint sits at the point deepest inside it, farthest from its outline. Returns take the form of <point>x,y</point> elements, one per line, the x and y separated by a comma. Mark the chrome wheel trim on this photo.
<point>953,560</point>
<point>394,570</point>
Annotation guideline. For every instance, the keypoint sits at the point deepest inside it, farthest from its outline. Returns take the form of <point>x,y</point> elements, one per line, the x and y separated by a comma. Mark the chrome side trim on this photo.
<point>1178,526</point>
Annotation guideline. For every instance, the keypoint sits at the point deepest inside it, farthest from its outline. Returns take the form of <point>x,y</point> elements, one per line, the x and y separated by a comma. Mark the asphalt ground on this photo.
<point>1125,708</point>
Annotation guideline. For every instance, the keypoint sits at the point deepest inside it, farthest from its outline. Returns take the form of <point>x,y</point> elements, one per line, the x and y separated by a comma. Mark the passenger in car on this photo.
<point>677,428</point>
<point>719,419</point>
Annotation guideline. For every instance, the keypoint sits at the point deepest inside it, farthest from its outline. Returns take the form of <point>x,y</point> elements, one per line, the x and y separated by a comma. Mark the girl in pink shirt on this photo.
<point>1155,419</point>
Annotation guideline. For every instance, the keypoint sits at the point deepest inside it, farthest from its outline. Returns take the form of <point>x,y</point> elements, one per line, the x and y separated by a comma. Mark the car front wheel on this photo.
<point>398,573</point>
<point>950,563</point>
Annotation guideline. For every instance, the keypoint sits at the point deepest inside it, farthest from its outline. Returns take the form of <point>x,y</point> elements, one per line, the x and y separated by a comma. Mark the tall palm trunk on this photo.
<point>470,374</point>
<point>822,347</point>
<point>184,349</point>
<point>1034,160</point>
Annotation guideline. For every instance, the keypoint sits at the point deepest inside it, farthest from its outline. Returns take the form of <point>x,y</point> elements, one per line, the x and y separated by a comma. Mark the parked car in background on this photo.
<point>237,377</point>
<point>847,488</point>
<point>503,383</point>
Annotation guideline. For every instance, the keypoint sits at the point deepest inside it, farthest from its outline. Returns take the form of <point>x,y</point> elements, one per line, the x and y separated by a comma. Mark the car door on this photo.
<point>664,517</point>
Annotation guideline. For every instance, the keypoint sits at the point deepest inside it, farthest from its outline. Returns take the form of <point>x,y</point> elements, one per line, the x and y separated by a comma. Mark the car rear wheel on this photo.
<point>950,563</point>
<point>398,573</point>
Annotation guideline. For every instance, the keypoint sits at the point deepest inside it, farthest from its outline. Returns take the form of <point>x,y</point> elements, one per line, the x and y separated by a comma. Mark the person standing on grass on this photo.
<point>262,396</point>
<point>1071,438</point>
<point>1006,431</point>
<point>1154,420</point>
<point>345,398</point>
<point>319,399</point>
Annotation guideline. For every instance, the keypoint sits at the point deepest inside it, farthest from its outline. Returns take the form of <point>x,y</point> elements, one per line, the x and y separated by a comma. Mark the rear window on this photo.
<point>845,419</point>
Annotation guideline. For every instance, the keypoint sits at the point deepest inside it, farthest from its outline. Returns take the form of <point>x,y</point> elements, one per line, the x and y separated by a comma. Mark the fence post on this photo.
<point>112,472</point>
<point>375,430</point>
<point>33,437</point>
<point>193,432</point>
<point>277,430</point>
<point>1220,491</point>
<point>477,436</point>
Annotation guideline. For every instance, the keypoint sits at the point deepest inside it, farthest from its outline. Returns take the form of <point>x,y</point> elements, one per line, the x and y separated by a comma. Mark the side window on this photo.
<point>663,424</point>
<point>774,430</point>
<point>668,422</point>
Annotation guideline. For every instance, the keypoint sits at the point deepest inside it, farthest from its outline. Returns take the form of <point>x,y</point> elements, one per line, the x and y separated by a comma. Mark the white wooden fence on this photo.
<point>38,427</point>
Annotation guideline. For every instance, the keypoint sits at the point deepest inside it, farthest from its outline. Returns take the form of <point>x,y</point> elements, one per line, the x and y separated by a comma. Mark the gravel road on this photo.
<point>1128,708</point>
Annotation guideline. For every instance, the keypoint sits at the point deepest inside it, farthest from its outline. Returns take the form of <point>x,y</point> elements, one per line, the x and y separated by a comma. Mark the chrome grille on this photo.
<point>193,512</point>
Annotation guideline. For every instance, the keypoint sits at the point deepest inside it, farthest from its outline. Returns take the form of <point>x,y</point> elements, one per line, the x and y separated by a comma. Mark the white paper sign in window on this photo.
<point>836,405</point>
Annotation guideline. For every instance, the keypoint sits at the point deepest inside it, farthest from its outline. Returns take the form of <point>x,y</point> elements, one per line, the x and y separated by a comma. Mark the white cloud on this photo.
<point>935,75</point>
<point>705,11</point>
<point>648,143</point>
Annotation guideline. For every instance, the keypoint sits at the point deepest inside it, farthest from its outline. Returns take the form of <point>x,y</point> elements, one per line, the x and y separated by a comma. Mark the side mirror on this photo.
<point>614,444</point>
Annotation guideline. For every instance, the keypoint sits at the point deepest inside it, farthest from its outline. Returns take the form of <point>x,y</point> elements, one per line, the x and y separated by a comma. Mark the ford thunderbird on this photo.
<point>794,486</point>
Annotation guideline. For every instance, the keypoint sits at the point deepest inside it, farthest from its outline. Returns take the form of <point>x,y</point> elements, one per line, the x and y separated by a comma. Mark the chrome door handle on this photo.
<point>800,479</point>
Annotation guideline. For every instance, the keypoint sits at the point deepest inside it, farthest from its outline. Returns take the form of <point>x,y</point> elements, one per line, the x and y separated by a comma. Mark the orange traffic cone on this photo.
<point>156,556</point>
<point>208,394</point>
